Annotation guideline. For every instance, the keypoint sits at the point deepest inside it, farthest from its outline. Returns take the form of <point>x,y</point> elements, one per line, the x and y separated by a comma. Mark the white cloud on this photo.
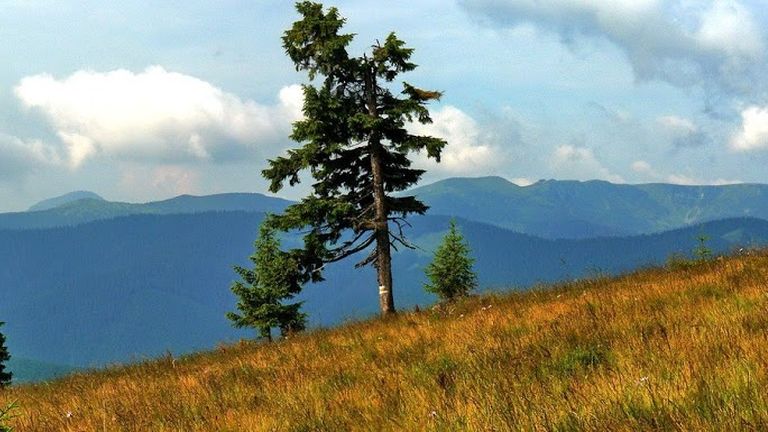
<point>155,115</point>
<point>19,158</point>
<point>715,43</point>
<point>162,180</point>
<point>522,181</point>
<point>643,167</point>
<point>469,149</point>
<point>580,163</point>
<point>683,133</point>
<point>753,134</point>
<point>677,124</point>
<point>681,179</point>
<point>727,26</point>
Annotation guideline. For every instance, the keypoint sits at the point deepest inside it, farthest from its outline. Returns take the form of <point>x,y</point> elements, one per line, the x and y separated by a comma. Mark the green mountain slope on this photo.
<point>64,199</point>
<point>549,209</point>
<point>79,211</point>
<point>126,288</point>
<point>572,209</point>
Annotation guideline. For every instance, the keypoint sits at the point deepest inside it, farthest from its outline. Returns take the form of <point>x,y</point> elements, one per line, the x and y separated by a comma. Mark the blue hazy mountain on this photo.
<point>86,281</point>
<point>120,289</point>
<point>548,208</point>
<point>26,370</point>
<point>86,209</point>
<point>573,209</point>
<point>64,199</point>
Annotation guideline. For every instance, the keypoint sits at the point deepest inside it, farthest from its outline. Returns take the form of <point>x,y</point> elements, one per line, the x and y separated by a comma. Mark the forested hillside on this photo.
<point>574,209</point>
<point>137,286</point>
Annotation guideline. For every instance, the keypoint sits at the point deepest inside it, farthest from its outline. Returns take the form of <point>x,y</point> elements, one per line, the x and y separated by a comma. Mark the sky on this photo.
<point>145,100</point>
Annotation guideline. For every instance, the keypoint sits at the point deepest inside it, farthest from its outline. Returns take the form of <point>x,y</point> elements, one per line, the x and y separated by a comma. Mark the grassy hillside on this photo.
<point>660,349</point>
<point>127,288</point>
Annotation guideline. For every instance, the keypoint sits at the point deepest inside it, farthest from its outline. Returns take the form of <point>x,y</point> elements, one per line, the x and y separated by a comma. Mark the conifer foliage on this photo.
<point>263,289</point>
<point>5,376</point>
<point>450,273</point>
<point>355,145</point>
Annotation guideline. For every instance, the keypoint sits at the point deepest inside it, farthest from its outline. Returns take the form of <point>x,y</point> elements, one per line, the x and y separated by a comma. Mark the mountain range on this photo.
<point>574,209</point>
<point>90,282</point>
<point>548,208</point>
<point>83,207</point>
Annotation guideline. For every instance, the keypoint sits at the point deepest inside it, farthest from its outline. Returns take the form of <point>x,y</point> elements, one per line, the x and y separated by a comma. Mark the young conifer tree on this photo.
<point>355,145</point>
<point>5,377</point>
<point>450,273</point>
<point>264,289</point>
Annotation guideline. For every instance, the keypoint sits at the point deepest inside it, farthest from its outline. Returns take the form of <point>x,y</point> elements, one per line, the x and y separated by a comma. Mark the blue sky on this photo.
<point>143,100</point>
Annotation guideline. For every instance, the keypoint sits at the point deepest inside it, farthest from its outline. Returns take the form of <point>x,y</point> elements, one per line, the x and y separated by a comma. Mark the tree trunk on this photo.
<point>381,215</point>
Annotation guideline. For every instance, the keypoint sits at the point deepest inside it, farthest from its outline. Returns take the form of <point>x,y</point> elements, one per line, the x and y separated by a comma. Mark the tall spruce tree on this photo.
<point>355,145</point>
<point>264,289</point>
<point>450,272</point>
<point>5,377</point>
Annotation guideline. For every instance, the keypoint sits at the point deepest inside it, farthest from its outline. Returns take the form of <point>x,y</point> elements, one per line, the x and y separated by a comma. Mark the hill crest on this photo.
<point>65,199</point>
<point>658,349</point>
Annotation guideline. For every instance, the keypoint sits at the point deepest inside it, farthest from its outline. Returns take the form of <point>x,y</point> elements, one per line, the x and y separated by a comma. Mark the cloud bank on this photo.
<point>580,163</point>
<point>19,158</point>
<point>753,133</point>
<point>717,44</point>
<point>155,115</point>
<point>683,132</point>
<point>470,150</point>
<point>650,173</point>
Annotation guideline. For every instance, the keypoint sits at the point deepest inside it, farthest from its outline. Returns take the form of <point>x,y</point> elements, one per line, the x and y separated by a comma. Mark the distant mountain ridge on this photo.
<point>575,209</point>
<point>71,212</point>
<point>26,370</point>
<point>64,199</point>
<point>549,208</point>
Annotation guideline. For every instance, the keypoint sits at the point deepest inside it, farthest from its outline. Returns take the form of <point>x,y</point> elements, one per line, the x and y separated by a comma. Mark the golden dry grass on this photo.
<point>659,349</point>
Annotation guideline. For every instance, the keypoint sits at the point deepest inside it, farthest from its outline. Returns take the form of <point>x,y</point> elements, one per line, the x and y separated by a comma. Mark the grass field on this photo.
<point>682,348</point>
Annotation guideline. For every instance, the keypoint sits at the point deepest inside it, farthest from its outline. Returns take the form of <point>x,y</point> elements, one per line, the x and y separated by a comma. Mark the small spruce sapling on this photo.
<point>263,289</point>
<point>5,376</point>
<point>450,273</point>
<point>702,252</point>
